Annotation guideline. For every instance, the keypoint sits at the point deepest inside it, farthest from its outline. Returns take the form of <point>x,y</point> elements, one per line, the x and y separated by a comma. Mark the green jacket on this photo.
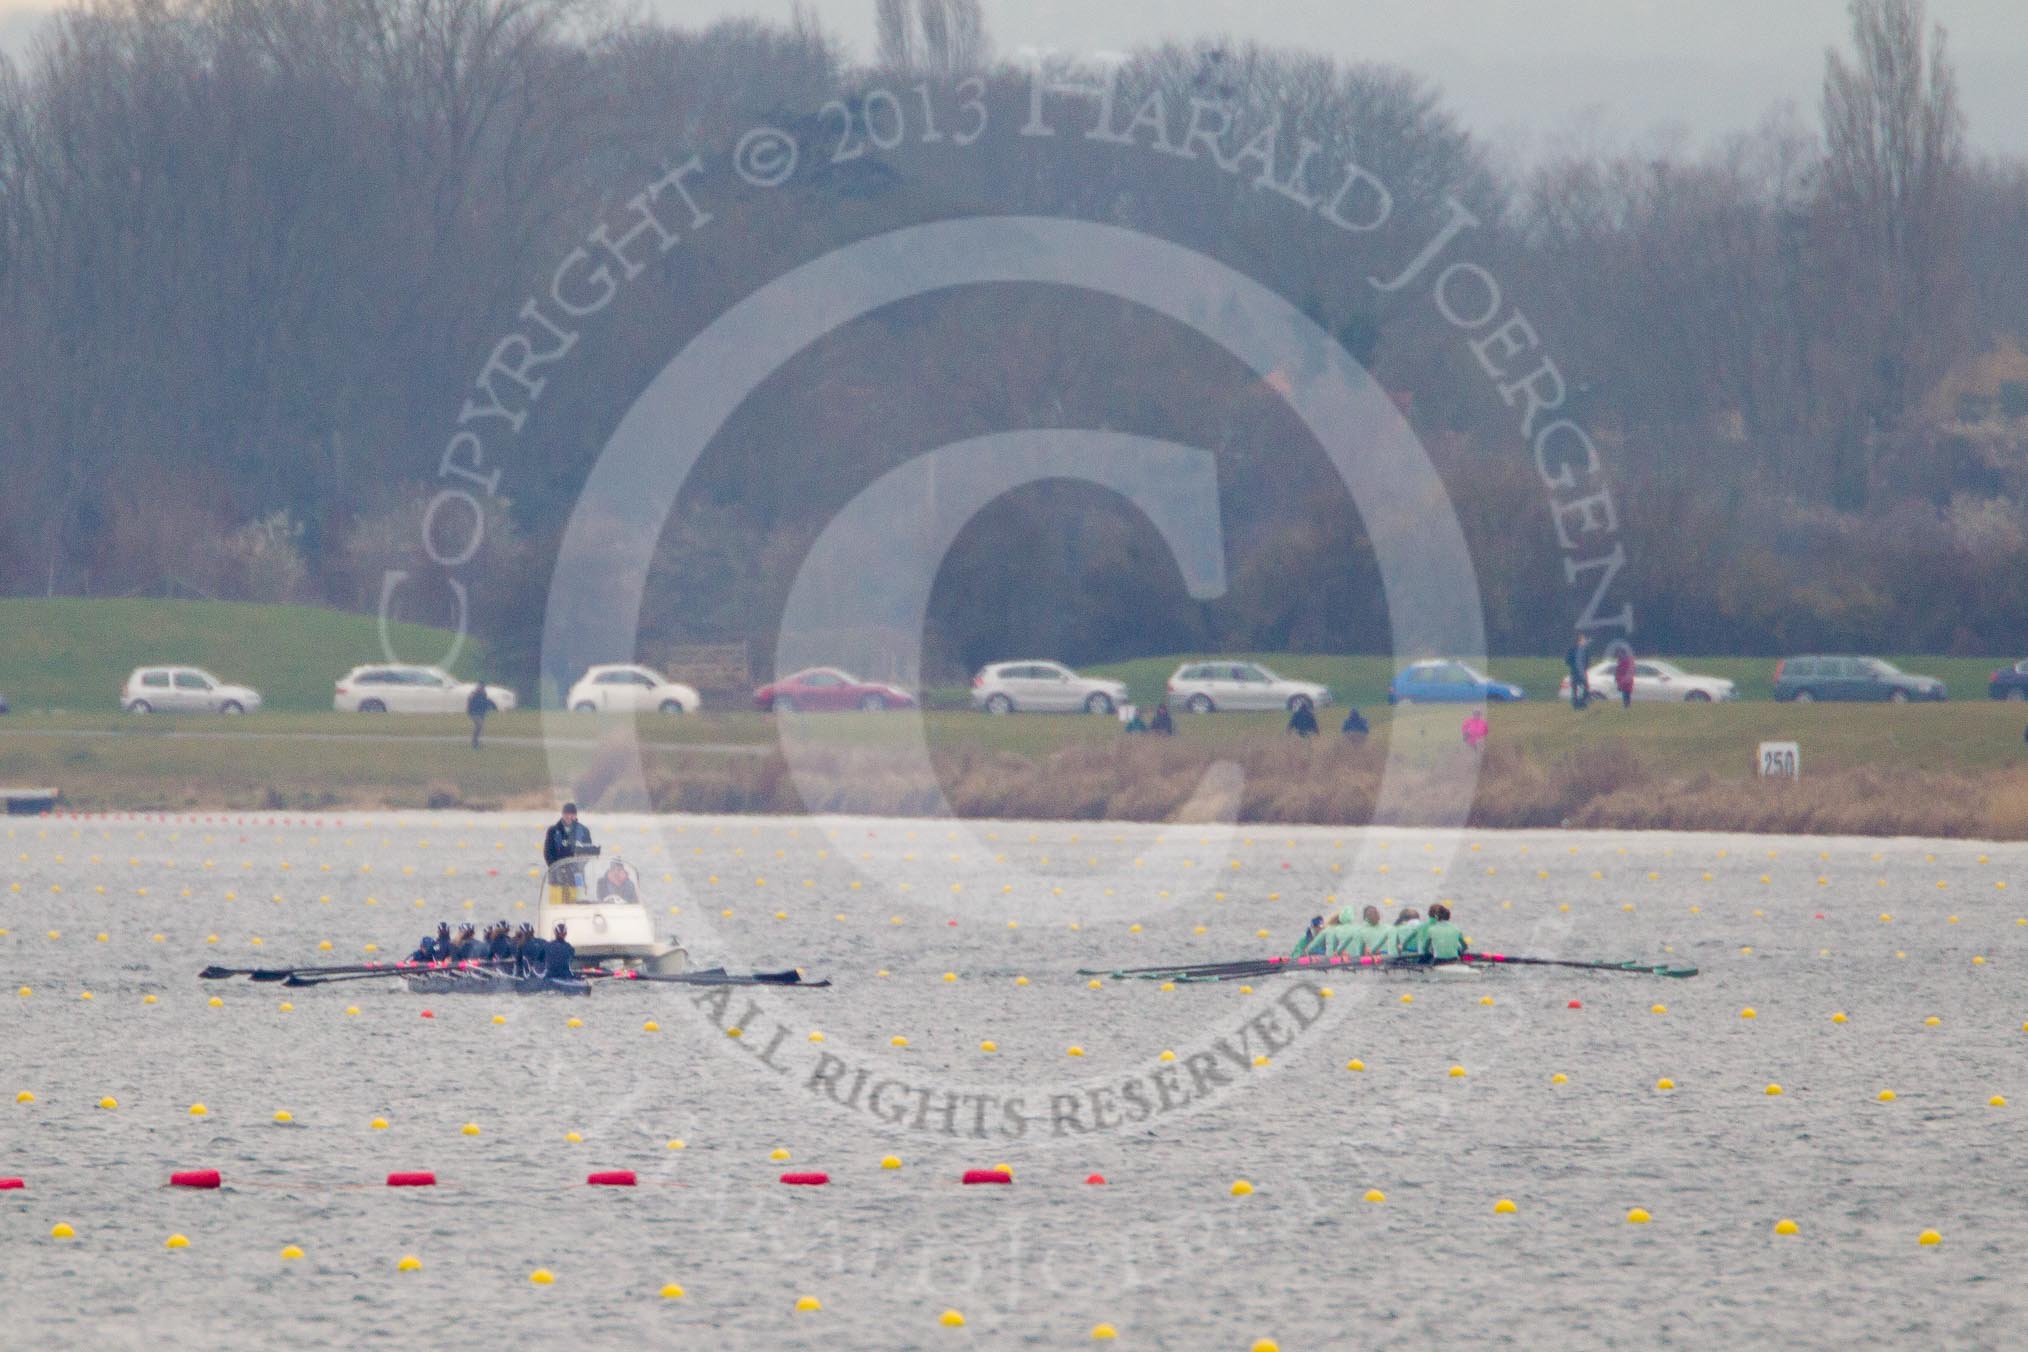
<point>1443,940</point>
<point>1357,939</point>
<point>1405,940</point>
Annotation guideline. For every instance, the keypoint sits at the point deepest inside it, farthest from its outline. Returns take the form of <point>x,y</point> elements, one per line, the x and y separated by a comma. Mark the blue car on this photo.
<point>1446,682</point>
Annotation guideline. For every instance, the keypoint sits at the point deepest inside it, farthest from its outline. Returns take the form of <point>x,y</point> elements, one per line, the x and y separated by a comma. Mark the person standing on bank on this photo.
<point>1623,676</point>
<point>476,709</point>
<point>1578,659</point>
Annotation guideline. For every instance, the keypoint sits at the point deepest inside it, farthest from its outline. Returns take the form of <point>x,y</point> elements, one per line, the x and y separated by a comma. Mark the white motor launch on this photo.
<point>603,906</point>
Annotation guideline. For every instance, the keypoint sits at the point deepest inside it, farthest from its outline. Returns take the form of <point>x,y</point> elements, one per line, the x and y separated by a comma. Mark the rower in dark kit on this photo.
<point>558,954</point>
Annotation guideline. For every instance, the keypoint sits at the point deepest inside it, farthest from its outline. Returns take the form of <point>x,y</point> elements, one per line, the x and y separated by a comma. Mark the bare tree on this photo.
<point>1892,194</point>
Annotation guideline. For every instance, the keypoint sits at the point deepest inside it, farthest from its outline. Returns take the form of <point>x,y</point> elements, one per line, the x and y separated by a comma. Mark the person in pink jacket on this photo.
<point>1476,729</point>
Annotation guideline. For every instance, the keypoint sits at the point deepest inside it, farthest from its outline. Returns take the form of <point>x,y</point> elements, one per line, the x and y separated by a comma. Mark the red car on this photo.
<point>827,688</point>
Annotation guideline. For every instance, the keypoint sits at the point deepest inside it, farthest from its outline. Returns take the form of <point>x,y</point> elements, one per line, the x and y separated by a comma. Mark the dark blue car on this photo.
<point>2010,682</point>
<point>1448,682</point>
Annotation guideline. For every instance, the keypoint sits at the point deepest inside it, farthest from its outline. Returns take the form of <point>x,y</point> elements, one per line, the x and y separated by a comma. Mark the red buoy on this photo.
<point>429,1014</point>
<point>11,1184</point>
<point>1575,1004</point>
<point>1095,1178</point>
<point>412,1178</point>
<point>611,1178</point>
<point>806,1180</point>
<point>988,1176</point>
<point>195,1178</point>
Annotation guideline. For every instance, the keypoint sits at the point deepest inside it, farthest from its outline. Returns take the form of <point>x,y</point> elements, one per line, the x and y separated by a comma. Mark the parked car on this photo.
<point>1043,687</point>
<point>1656,681</point>
<point>2006,683</point>
<point>184,690</point>
<point>1804,679</point>
<point>393,689</point>
<point>827,688</point>
<point>624,688</point>
<point>1208,687</point>
<point>1446,682</point>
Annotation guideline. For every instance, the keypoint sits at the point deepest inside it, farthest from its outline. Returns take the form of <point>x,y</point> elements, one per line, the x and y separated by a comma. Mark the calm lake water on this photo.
<point>1791,928</point>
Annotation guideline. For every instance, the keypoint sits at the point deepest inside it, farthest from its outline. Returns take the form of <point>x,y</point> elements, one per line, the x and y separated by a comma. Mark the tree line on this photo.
<point>252,253</point>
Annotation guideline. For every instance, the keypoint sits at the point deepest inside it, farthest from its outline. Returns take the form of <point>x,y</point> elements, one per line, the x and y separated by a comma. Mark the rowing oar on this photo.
<point>279,973</point>
<point>720,977</point>
<point>310,976</point>
<point>1119,972</point>
<point>1639,968</point>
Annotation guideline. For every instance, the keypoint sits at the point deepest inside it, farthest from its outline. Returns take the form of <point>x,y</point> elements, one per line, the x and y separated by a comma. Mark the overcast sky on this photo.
<point>1521,73</point>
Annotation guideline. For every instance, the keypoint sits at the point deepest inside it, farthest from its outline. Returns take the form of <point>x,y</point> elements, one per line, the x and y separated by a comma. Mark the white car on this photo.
<point>624,688</point>
<point>1654,681</point>
<point>392,689</point>
<point>1208,687</point>
<point>1044,687</point>
<point>184,690</point>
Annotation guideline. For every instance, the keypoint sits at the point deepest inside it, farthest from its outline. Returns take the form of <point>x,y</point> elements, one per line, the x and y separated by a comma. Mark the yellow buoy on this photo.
<point>1748,1013</point>
<point>1355,1064</point>
<point>651,1027</point>
<point>1658,1009</point>
<point>808,1304</point>
<point>672,1292</point>
<point>291,1253</point>
<point>176,1242</point>
<point>499,1018</point>
<point>378,1124</point>
<point>198,1110</point>
<point>62,1231</point>
<point>286,1008</point>
<point>897,1041</point>
<point>1638,1217</point>
<point>352,1011</point>
<point>409,1263</point>
<point>1020,980</point>
<point>1997,1101</point>
<point>574,1022</point>
<point>778,1154</point>
<point>676,1143</point>
<point>1168,1055</point>
<point>950,976</point>
<point>1094,984</point>
<point>1785,1226</point>
<point>1559,1078</point>
<point>284,1116</point>
<point>1505,1207</point>
<point>1457,1072</point>
<point>470,1129</point>
<point>1665,1083</point>
<point>1838,1017</point>
<point>1932,1021</point>
<point>1074,1051</point>
<point>951,1319</point>
<point>1241,1188</point>
<point>109,1102</point>
<point>542,1277</point>
<point>25,1096</point>
<point>1772,1090</point>
<point>890,1161</point>
<point>573,1138</point>
<point>1375,1195</point>
<point>1928,1238</point>
<point>989,1046</point>
<point>1407,999</point>
<point>1885,1096</point>
<point>1104,1331</point>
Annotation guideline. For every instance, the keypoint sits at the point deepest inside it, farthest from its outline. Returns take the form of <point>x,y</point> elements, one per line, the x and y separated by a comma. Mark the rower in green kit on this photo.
<point>1441,940</point>
<point>1355,935</point>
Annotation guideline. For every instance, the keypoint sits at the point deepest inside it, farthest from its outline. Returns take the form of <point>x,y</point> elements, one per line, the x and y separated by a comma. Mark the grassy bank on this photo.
<point>68,653</point>
<point>1956,769</point>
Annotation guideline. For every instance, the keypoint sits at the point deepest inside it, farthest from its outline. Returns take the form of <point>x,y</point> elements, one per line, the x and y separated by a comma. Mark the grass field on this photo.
<point>731,760</point>
<point>67,653</point>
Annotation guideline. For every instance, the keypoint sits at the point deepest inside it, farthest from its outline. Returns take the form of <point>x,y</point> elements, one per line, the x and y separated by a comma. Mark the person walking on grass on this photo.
<point>1354,725</point>
<point>477,706</point>
<point>1578,659</point>
<point>1623,676</point>
<point>1476,729</point>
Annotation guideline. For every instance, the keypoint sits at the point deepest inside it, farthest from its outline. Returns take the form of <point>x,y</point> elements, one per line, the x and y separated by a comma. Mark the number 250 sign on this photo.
<point>1781,760</point>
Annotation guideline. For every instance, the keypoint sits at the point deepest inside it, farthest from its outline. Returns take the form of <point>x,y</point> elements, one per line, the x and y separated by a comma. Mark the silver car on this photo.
<point>184,690</point>
<point>1207,687</point>
<point>1043,687</point>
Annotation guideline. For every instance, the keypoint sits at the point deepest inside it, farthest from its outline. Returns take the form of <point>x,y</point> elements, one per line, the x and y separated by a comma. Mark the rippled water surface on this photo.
<point>1792,928</point>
